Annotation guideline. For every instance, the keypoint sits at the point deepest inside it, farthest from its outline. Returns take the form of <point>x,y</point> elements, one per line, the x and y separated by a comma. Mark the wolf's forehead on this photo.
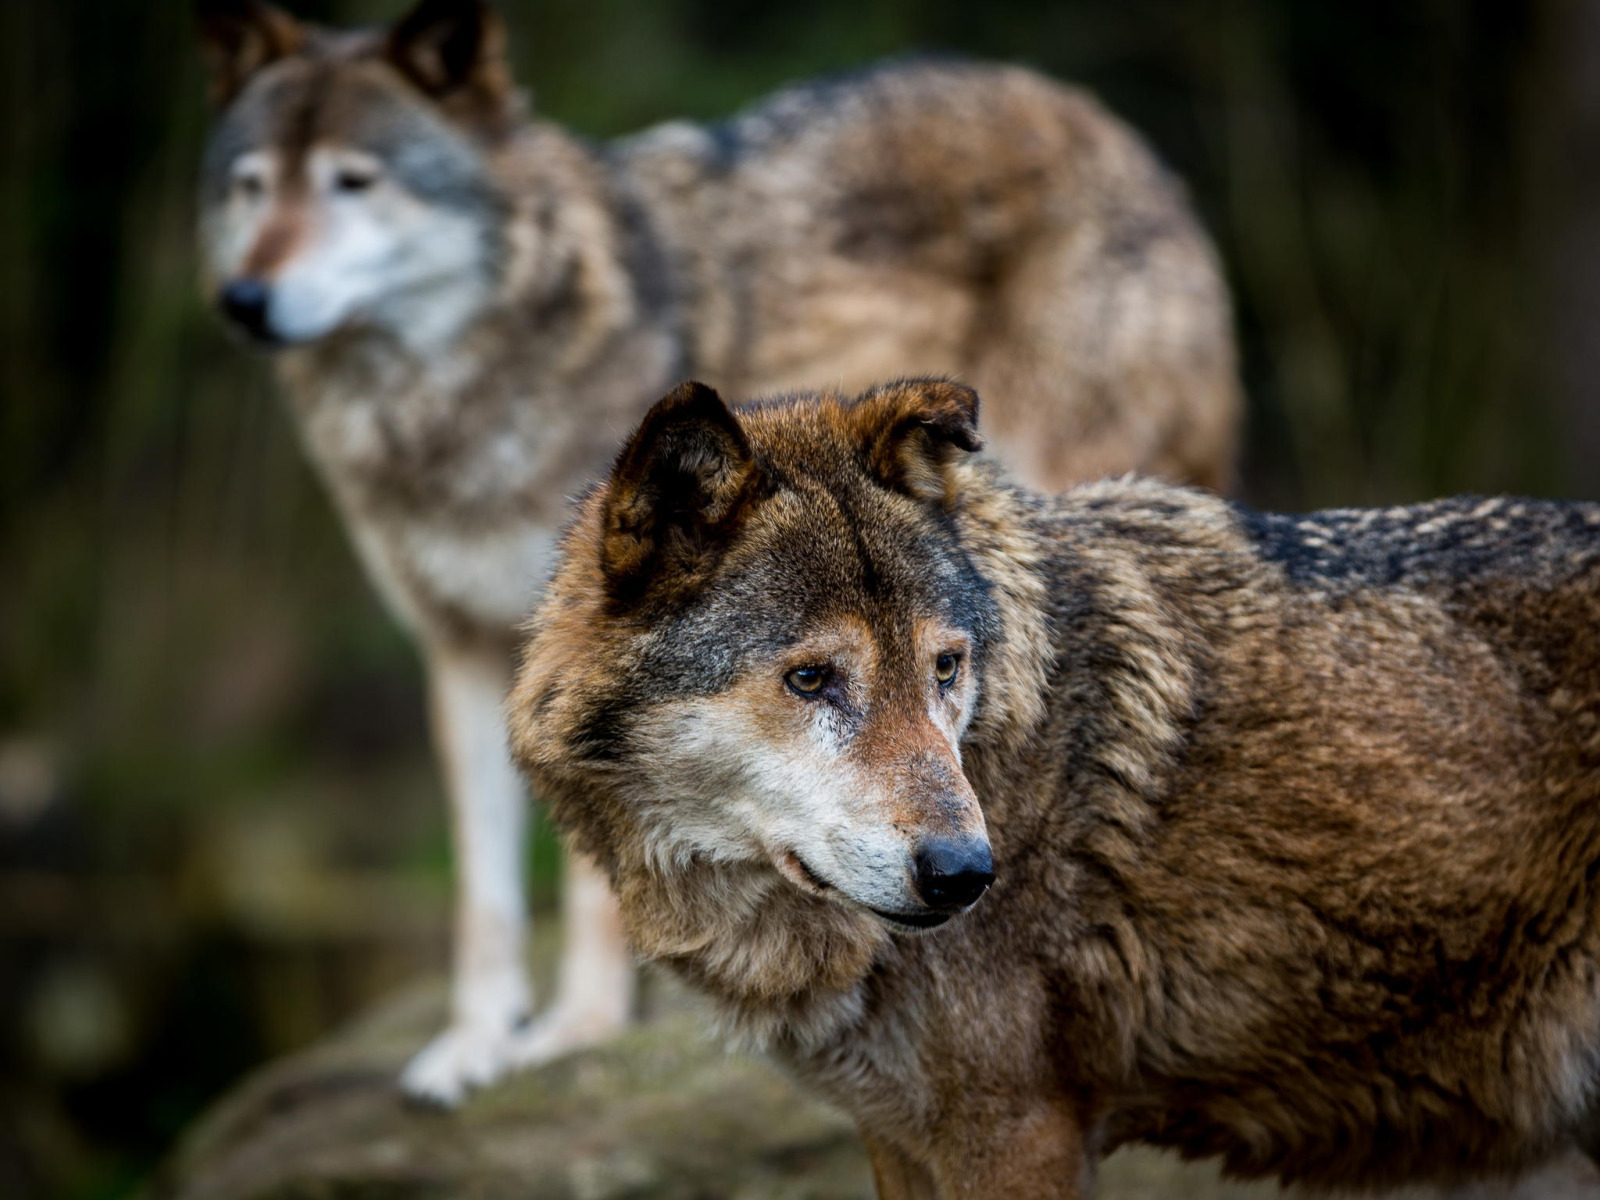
<point>812,559</point>
<point>277,107</point>
<point>303,103</point>
<point>821,552</point>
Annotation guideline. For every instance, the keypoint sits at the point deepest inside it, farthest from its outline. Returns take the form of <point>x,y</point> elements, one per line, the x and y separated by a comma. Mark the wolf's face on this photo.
<point>821,728</point>
<point>345,184</point>
<point>793,646</point>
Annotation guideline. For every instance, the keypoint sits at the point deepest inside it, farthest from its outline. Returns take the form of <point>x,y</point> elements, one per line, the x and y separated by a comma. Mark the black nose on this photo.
<point>953,872</point>
<point>244,302</point>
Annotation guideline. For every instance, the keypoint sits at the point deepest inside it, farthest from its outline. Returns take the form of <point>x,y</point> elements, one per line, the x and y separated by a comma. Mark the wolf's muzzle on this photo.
<point>951,873</point>
<point>245,303</point>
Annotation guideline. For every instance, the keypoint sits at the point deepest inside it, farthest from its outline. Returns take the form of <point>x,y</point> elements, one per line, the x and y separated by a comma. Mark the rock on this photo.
<point>660,1114</point>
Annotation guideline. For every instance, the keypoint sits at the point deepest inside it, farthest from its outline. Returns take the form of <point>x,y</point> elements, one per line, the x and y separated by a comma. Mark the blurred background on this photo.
<point>220,828</point>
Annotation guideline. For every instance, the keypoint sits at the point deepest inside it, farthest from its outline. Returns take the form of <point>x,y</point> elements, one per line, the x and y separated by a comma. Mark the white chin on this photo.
<point>294,333</point>
<point>305,318</point>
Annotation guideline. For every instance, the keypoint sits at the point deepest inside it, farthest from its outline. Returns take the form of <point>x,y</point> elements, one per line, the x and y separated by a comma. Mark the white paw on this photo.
<point>563,1030</point>
<point>460,1059</point>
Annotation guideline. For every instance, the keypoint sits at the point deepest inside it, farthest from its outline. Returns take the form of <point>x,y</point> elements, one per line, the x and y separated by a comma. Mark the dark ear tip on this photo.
<point>690,404</point>
<point>963,398</point>
<point>689,396</point>
<point>953,408</point>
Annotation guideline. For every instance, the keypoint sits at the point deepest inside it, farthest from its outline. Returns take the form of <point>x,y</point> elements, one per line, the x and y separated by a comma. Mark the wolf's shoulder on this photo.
<point>1139,509</point>
<point>1457,539</point>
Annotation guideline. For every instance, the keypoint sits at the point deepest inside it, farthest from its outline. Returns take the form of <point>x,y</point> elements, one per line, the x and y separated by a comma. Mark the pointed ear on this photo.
<point>914,429</point>
<point>239,37</point>
<point>675,494</point>
<point>455,52</point>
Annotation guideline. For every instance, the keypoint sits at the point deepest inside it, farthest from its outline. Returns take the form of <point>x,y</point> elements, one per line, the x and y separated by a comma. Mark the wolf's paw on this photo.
<point>565,1029</point>
<point>459,1060</point>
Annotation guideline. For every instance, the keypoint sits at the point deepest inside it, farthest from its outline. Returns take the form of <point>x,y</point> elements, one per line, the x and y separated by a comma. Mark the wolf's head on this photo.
<point>763,649</point>
<point>346,184</point>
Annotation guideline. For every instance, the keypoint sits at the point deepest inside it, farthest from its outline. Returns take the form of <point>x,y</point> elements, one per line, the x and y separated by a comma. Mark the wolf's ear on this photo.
<point>455,52</point>
<point>914,429</point>
<point>676,490</point>
<point>239,37</point>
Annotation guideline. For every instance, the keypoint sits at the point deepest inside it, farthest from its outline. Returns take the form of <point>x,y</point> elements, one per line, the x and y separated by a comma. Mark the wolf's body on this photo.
<point>472,308</point>
<point>1295,821</point>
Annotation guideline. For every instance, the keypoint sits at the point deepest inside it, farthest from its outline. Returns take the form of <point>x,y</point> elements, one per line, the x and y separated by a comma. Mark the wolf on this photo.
<point>467,306</point>
<point>1022,827</point>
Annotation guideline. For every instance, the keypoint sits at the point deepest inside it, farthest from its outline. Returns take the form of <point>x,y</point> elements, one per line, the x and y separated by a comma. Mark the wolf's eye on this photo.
<point>251,187</point>
<point>354,179</point>
<point>807,681</point>
<point>945,668</point>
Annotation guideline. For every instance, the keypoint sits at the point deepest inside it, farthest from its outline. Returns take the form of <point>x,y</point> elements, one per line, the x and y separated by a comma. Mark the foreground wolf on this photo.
<point>469,308</point>
<point>1292,823</point>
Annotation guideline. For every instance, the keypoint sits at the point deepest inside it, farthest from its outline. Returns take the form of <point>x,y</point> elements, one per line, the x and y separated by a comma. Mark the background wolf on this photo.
<point>469,307</point>
<point>1293,823</point>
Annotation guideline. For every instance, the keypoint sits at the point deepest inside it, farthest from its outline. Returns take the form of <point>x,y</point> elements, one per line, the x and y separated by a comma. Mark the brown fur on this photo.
<point>1296,821</point>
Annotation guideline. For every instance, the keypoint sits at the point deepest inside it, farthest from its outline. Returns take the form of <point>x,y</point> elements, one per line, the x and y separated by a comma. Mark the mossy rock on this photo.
<point>662,1113</point>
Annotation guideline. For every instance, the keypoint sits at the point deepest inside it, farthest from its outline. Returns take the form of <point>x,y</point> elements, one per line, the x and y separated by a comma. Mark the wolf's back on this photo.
<point>1448,544</point>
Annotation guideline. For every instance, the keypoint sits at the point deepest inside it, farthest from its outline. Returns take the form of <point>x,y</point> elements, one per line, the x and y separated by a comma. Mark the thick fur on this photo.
<point>470,306</point>
<point>1295,820</point>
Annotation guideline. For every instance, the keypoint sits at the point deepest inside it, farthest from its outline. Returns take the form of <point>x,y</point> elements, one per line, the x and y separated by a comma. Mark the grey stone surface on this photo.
<point>661,1114</point>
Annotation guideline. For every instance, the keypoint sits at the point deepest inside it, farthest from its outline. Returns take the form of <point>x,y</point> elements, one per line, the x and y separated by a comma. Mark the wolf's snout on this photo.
<point>244,302</point>
<point>953,872</point>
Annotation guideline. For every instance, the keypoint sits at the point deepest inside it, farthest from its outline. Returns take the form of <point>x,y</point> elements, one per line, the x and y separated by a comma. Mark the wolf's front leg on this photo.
<point>594,988</point>
<point>491,997</point>
<point>896,1176</point>
<point>1034,1153</point>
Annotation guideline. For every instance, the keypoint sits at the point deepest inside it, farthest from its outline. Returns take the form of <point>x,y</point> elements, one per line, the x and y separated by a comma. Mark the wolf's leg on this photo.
<point>896,1176</point>
<point>490,992</point>
<point>594,991</point>
<point>1030,1155</point>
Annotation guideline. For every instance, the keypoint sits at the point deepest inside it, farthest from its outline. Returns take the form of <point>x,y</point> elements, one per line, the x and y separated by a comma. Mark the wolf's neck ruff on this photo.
<point>785,968</point>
